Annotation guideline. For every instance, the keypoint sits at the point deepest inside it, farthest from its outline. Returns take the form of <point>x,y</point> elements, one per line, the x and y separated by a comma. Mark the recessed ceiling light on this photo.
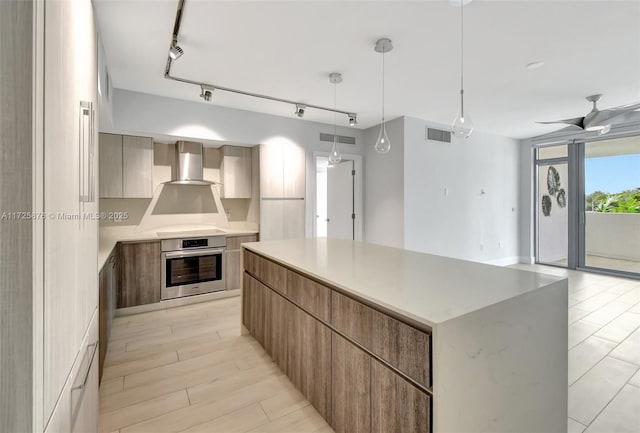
<point>534,65</point>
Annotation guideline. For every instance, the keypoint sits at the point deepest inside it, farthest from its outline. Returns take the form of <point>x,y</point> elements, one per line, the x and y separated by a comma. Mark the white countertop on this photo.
<point>426,288</point>
<point>110,236</point>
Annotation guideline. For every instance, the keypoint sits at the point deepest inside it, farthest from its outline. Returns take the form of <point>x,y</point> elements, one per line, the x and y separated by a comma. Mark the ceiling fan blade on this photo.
<point>577,121</point>
<point>605,116</point>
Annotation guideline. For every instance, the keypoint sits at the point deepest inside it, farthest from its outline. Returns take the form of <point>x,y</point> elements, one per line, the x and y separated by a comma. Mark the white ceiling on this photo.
<point>288,48</point>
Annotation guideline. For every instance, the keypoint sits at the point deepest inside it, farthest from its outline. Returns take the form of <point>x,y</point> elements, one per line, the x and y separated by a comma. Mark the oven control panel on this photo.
<point>193,243</point>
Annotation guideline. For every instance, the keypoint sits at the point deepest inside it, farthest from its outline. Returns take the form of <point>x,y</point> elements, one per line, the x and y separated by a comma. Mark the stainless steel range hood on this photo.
<point>189,165</point>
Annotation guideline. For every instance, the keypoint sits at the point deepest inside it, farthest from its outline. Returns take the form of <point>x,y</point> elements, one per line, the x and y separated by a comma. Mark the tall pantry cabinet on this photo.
<point>282,191</point>
<point>49,376</point>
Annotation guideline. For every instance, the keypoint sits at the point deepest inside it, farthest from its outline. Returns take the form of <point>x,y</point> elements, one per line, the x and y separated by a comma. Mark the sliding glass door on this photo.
<point>611,235</point>
<point>587,208</point>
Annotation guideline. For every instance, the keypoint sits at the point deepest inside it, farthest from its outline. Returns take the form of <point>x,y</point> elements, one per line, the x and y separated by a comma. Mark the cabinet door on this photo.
<point>232,270</point>
<point>294,181</point>
<point>272,220</point>
<point>140,267</point>
<point>293,227</point>
<point>312,296</point>
<point>137,167</point>
<point>103,313</point>
<point>397,406</point>
<point>403,346</point>
<point>272,170</point>
<point>235,172</point>
<point>70,241</point>
<point>110,151</point>
<point>350,387</point>
<point>309,358</point>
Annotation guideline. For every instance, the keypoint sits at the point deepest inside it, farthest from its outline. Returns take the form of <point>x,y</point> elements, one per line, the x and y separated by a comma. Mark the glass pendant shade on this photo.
<point>462,125</point>
<point>335,156</point>
<point>383,145</point>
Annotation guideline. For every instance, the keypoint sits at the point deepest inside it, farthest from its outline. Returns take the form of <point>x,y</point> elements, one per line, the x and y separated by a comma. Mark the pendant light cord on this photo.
<point>335,97</point>
<point>461,58</point>
<point>383,88</point>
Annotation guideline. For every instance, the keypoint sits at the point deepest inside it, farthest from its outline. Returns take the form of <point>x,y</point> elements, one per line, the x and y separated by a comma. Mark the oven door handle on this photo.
<point>194,253</point>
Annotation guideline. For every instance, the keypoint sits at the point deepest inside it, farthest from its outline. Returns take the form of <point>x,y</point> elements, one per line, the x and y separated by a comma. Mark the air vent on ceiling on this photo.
<point>438,135</point>
<point>343,139</point>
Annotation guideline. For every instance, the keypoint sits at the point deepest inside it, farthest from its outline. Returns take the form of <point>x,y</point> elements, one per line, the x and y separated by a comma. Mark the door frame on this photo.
<point>358,192</point>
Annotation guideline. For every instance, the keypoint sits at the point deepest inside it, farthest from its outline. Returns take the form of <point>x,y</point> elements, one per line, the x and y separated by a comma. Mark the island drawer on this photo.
<point>310,295</point>
<point>404,347</point>
<point>266,271</point>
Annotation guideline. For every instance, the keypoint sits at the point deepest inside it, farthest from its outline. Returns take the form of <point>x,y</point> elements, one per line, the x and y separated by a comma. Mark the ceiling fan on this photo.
<point>597,120</point>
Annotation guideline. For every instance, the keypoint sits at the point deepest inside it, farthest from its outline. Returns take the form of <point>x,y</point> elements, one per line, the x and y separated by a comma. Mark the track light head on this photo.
<point>353,119</point>
<point>206,92</point>
<point>176,52</point>
<point>300,110</point>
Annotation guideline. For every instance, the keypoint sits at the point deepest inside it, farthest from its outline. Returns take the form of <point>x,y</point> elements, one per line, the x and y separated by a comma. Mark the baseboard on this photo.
<point>505,261</point>
<point>528,260</point>
<point>187,300</point>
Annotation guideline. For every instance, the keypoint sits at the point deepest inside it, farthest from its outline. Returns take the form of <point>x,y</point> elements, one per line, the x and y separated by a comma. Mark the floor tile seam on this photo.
<point>101,412</point>
<point>606,405</point>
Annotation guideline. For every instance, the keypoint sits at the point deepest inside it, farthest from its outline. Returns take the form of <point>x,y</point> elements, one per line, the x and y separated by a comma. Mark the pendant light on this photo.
<point>462,125</point>
<point>335,156</point>
<point>383,145</point>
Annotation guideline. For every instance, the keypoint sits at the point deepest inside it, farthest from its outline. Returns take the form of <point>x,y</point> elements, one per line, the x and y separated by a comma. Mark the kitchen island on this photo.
<point>381,339</point>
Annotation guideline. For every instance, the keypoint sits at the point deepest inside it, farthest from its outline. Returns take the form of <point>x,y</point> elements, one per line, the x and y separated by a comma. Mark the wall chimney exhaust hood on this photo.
<point>189,165</point>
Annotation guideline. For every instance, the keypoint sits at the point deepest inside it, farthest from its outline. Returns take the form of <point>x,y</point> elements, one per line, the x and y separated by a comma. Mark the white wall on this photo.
<point>525,202</point>
<point>445,211</point>
<point>159,116</point>
<point>384,187</point>
<point>614,235</point>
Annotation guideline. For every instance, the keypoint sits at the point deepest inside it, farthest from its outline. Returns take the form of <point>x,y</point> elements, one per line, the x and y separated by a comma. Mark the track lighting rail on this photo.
<point>167,74</point>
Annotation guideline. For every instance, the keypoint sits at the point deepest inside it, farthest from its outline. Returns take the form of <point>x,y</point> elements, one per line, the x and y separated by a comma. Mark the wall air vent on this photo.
<point>438,135</point>
<point>342,139</point>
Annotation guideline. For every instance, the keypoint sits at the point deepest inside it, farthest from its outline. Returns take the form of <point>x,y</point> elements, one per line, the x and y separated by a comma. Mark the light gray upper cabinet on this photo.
<point>126,166</point>
<point>235,172</point>
<point>137,167</point>
<point>110,165</point>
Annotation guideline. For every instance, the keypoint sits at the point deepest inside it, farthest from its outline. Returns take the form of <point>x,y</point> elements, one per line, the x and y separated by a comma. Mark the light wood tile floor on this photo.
<point>188,369</point>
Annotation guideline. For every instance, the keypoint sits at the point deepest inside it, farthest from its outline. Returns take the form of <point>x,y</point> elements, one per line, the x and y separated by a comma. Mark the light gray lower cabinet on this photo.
<point>232,271</point>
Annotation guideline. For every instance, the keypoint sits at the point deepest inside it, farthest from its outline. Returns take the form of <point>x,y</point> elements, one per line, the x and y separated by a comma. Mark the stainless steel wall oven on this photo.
<point>192,266</point>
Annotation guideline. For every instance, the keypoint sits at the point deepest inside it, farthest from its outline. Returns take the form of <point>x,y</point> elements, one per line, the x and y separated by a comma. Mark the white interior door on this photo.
<point>340,200</point>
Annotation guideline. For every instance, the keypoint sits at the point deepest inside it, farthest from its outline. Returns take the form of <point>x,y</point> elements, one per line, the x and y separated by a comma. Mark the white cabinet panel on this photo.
<point>293,219</point>
<point>271,220</point>
<point>271,170</point>
<point>294,171</point>
<point>137,167</point>
<point>281,219</point>
<point>235,172</point>
<point>110,165</point>
<point>77,407</point>
<point>70,239</point>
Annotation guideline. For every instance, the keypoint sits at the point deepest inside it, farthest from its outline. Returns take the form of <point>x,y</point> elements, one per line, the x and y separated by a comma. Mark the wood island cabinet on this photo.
<point>350,387</point>
<point>140,268</point>
<point>363,370</point>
